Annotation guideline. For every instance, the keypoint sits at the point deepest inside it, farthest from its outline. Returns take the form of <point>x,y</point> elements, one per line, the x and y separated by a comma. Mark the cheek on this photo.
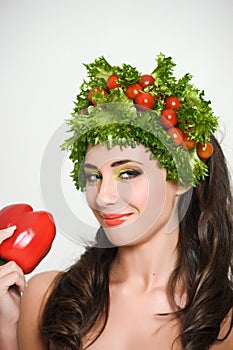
<point>152,193</point>
<point>157,195</point>
<point>91,195</point>
<point>140,195</point>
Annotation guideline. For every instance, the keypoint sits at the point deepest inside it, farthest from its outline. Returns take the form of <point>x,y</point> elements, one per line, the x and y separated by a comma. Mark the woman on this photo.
<point>159,275</point>
<point>10,275</point>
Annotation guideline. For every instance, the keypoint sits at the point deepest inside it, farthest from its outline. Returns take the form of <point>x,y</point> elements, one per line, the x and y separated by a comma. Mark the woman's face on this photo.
<point>128,193</point>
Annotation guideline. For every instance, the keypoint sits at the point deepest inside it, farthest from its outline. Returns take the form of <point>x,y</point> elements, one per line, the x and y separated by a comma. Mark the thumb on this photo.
<point>6,233</point>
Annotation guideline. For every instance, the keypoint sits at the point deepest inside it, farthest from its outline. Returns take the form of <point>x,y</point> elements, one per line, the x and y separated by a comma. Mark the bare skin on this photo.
<point>131,324</point>
<point>144,261</point>
<point>137,296</point>
<point>12,282</point>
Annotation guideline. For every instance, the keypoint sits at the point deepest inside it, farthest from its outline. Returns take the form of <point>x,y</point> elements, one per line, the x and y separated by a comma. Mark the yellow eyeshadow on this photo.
<point>133,170</point>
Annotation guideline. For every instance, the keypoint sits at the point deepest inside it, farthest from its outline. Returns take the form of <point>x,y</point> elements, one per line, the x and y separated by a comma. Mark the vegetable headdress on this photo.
<point>169,116</point>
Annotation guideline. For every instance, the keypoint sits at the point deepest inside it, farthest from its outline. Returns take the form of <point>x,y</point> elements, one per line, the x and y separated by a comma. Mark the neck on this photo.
<point>147,265</point>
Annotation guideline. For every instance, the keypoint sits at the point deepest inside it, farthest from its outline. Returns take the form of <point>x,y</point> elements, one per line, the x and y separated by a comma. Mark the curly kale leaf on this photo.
<point>100,68</point>
<point>127,75</point>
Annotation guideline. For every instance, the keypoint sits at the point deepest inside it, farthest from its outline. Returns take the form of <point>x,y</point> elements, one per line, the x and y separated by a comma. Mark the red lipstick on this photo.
<point>115,219</point>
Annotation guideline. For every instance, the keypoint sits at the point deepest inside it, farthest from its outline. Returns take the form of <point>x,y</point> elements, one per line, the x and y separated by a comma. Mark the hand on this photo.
<point>12,283</point>
<point>6,233</point>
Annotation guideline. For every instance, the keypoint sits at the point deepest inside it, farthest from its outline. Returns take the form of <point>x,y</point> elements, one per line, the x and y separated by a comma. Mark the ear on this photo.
<point>175,219</point>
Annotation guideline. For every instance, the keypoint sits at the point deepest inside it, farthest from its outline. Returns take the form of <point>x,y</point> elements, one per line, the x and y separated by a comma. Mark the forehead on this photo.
<point>101,154</point>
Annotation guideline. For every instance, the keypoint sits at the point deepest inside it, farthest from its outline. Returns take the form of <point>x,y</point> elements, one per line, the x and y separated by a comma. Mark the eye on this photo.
<point>93,177</point>
<point>129,174</point>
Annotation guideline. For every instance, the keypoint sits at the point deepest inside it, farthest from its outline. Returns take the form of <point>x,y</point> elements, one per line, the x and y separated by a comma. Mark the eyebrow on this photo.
<point>114,164</point>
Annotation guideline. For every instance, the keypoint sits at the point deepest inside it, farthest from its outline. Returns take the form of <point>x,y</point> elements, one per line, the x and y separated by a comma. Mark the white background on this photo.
<point>42,47</point>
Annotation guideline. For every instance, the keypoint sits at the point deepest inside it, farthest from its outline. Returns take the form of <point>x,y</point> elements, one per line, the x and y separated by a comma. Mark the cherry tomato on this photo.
<point>176,134</point>
<point>133,90</point>
<point>99,90</point>
<point>145,100</point>
<point>205,151</point>
<point>188,143</point>
<point>168,118</point>
<point>172,102</point>
<point>146,80</point>
<point>112,82</point>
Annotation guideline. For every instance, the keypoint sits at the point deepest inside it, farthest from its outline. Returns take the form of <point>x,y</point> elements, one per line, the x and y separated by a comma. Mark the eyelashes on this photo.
<point>126,174</point>
<point>93,177</point>
<point>129,174</point>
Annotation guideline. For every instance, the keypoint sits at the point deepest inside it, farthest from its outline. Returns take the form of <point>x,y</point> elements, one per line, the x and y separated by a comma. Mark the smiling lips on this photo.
<point>115,219</point>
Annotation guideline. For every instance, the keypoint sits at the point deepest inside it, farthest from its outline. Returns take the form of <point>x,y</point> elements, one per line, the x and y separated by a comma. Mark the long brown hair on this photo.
<point>80,297</point>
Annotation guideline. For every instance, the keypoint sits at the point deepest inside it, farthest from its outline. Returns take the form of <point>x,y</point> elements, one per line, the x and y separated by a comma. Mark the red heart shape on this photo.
<point>32,238</point>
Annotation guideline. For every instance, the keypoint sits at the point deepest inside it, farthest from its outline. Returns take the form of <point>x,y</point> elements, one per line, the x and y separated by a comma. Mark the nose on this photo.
<point>107,192</point>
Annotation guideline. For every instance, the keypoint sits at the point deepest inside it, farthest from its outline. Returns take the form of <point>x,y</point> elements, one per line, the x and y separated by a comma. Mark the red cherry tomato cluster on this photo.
<point>142,99</point>
<point>135,91</point>
<point>169,121</point>
<point>168,118</point>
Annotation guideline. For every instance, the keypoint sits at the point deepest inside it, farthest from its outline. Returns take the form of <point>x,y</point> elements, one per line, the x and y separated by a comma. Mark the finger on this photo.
<point>12,279</point>
<point>11,274</point>
<point>9,267</point>
<point>6,233</point>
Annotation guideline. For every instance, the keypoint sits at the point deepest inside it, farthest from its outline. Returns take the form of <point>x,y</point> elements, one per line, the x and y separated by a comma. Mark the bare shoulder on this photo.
<point>41,282</point>
<point>39,288</point>
<point>34,298</point>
